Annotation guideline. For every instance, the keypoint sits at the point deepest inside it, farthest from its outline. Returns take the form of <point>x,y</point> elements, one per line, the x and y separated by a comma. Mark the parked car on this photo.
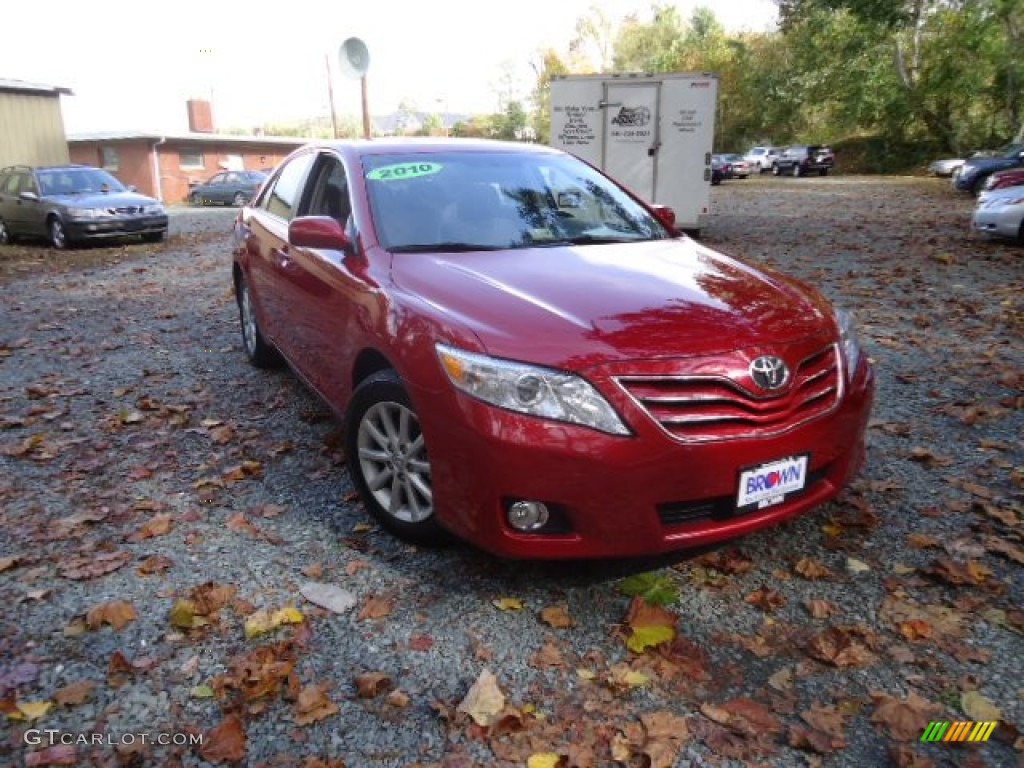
<point>973,174</point>
<point>723,165</point>
<point>802,159</point>
<point>763,158</point>
<point>1000,214</point>
<point>69,204</point>
<point>740,167</point>
<point>949,166</point>
<point>1002,179</point>
<point>227,188</point>
<point>527,355</point>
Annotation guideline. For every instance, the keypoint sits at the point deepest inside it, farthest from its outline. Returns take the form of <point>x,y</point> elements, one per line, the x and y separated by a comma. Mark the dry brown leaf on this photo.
<point>376,607</point>
<point>827,719</point>
<point>116,613</point>
<point>766,598</point>
<point>821,609</point>
<point>313,705</point>
<point>916,629</point>
<point>1003,547</point>
<point>556,616</point>
<point>75,693</point>
<point>665,725</point>
<point>922,541</point>
<point>840,647</point>
<point>484,700</point>
<point>92,565</point>
<point>904,719</point>
<point>372,684</point>
<point>977,707</point>
<point>154,564</point>
<point>397,698</point>
<point>158,525</point>
<point>812,569</point>
<point>549,655</point>
<point>6,563</point>
<point>226,743</point>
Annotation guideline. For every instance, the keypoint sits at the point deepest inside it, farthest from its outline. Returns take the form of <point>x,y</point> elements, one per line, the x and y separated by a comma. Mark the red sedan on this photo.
<point>527,356</point>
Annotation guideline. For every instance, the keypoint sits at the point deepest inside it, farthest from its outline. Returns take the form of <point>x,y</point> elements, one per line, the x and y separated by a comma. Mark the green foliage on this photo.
<point>653,587</point>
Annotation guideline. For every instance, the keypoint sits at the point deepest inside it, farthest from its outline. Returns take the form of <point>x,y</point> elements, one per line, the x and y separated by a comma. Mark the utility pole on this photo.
<point>330,94</point>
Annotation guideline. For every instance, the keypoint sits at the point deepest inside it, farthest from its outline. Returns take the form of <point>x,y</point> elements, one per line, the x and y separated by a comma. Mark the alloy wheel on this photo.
<point>393,460</point>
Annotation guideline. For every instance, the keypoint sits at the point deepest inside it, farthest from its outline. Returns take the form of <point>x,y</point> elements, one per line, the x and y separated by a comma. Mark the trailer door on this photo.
<point>631,135</point>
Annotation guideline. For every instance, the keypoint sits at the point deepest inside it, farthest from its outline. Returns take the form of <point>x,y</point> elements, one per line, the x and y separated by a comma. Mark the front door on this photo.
<point>631,135</point>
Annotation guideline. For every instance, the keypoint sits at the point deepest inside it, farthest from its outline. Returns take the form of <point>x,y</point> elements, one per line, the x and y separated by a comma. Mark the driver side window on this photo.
<point>330,190</point>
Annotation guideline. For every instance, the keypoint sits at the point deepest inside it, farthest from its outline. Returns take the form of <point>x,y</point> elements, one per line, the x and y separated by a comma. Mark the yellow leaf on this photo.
<point>543,760</point>
<point>33,710</point>
<point>484,700</point>
<point>975,706</point>
<point>508,604</point>
<point>585,674</point>
<point>202,692</point>
<point>288,615</point>
<point>259,623</point>
<point>183,614</point>
<point>635,679</point>
<point>831,529</point>
<point>649,637</point>
<point>362,528</point>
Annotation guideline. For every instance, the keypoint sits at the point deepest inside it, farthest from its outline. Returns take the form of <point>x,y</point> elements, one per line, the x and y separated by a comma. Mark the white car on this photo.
<point>762,158</point>
<point>1000,213</point>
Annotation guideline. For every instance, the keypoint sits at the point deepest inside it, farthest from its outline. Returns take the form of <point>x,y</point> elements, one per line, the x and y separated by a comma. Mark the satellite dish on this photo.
<point>353,58</point>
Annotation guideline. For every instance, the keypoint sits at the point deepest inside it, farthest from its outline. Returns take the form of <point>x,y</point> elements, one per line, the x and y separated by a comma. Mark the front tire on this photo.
<point>796,170</point>
<point>58,234</point>
<point>776,171</point>
<point>260,353</point>
<point>5,234</point>
<point>387,459</point>
<point>195,199</point>
<point>240,199</point>
<point>153,237</point>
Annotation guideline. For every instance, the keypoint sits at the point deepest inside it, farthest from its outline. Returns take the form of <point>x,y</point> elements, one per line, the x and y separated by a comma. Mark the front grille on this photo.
<point>724,507</point>
<point>129,209</point>
<point>702,408</point>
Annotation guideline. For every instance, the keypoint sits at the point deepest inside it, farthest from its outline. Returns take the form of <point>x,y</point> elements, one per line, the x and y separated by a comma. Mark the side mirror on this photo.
<point>665,215</point>
<point>318,232</point>
<point>31,196</point>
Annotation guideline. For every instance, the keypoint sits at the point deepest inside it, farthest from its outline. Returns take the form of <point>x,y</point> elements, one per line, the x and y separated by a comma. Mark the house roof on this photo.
<point>20,86</point>
<point>207,138</point>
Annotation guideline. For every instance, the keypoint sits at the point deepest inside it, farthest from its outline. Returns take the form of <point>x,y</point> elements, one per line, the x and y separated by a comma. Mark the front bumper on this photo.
<point>1002,222</point>
<point>112,227</point>
<point>642,495</point>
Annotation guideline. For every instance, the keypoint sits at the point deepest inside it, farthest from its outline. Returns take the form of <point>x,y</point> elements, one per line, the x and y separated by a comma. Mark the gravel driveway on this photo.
<point>164,508</point>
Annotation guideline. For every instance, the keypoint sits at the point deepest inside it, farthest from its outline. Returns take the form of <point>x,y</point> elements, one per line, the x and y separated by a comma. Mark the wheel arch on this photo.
<point>368,362</point>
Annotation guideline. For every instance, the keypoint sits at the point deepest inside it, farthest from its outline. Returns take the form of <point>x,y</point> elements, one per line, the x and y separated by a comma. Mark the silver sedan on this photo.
<point>1000,213</point>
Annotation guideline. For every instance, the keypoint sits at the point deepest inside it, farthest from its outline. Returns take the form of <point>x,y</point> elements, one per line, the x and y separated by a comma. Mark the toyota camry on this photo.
<point>527,356</point>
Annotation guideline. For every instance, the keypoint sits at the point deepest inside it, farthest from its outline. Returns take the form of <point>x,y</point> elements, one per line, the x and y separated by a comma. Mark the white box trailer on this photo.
<point>653,133</point>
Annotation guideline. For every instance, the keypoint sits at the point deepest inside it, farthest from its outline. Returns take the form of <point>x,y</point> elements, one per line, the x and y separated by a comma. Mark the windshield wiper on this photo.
<point>450,246</point>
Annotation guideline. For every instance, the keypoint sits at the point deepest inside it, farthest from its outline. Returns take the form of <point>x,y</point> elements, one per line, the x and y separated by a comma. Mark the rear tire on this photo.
<point>153,237</point>
<point>387,459</point>
<point>260,353</point>
<point>240,199</point>
<point>195,199</point>
<point>823,172</point>
<point>776,171</point>
<point>5,234</point>
<point>796,170</point>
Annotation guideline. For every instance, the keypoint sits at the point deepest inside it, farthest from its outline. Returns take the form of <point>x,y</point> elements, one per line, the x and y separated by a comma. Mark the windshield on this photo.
<point>1012,150</point>
<point>77,181</point>
<point>451,201</point>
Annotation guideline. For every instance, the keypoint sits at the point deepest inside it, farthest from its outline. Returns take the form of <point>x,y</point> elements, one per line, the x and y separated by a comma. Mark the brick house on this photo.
<point>163,164</point>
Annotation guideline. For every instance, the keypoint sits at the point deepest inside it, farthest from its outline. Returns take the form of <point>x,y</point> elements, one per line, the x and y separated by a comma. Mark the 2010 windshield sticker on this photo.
<point>403,171</point>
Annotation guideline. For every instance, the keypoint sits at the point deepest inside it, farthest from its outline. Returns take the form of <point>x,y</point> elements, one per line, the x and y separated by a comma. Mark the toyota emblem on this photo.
<point>769,372</point>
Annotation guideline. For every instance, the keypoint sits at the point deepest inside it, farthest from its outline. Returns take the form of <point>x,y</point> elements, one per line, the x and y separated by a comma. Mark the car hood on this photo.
<point>572,307</point>
<point>989,164</point>
<point>102,199</point>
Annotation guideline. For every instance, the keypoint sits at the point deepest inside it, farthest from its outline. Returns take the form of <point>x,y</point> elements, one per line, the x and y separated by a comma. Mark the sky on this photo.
<point>133,65</point>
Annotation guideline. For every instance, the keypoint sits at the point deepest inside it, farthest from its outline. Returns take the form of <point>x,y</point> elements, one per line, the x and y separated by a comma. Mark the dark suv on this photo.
<point>802,159</point>
<point>74,203</point>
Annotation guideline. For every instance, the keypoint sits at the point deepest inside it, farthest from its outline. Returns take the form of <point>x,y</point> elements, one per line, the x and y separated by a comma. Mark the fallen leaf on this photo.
<point>329,596</point>
<point>158,525</point>
<point>624,676</point>
<point>33,710</point>
<point>484,700</point>
<point>782,680</point>
<point>508,604</point>
<point>116,613</point>
<point>183,615</point>
<point>6,563</point>
<point>154,564</point>
<point>92,565</point>
<point>556,616</point>
<point>549,655</point>
<point>313,705</point>
<point>372,684</point>
<point>420,642</point>
<point>375,607</point>
<point>202,692</point>
<point>650,625</point>
<point>543,760</point>
<point>820,609</point>
<point>226,743</point>
<point>905,719</point>
<point>810,568</point>
<point>840,646</point>
<point>75,693</point>
<point>58,754</point>
<point>766,598</point>
<point>855,566</point>
<point>978,708</point>
<point>397,698</point>
<point>266,620</point>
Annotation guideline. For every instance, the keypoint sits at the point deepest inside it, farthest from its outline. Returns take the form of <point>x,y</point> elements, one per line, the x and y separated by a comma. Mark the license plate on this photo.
<point>768,484</point>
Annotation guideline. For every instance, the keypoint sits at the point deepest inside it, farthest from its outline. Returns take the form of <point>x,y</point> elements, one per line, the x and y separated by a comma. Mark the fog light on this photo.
<point>527,515</point>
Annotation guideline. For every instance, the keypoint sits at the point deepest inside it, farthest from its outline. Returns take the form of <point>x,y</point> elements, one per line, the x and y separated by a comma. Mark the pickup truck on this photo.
<point>802,159</point>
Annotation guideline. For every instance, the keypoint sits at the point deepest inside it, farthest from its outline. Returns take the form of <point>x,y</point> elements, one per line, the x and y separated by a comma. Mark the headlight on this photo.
<point>154,210</point>
<point>542,392</point>
<point>851,344</point>
<point>85,213</point>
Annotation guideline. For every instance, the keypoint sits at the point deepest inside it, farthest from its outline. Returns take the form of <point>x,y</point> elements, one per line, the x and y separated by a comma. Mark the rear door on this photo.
<point>631,135</point>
